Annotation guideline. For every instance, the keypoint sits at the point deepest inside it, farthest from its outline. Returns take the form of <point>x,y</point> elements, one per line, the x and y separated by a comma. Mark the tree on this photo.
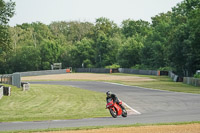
<point>184,46</point>
<point>50,53</point>
<point>83,53</point>
<point>38,32</point>
<point>103,35</point>
<point>73,31</point>
<point>6,12</point>
<point>26,58</point>
<point>156,47</point>
<point>130,53</point>
<point>139,27</point>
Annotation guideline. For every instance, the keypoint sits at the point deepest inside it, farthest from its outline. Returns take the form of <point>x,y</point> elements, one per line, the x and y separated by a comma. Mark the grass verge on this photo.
<point>161,83</point>
<point>51,102</point>
<point>99,127</point>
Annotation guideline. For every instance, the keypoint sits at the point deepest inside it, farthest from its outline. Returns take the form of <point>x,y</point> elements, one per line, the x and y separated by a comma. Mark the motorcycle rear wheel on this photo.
<point>113,113</point>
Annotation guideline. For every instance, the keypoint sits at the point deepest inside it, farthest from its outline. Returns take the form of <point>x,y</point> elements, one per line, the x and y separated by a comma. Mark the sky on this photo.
<point>48,11</point>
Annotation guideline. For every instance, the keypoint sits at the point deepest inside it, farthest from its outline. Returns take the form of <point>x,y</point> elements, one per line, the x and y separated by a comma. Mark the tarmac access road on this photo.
<point>154,106</point>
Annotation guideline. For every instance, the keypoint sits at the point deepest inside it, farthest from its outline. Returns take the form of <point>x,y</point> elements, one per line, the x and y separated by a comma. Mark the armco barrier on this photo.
<point>45,72</point>
<point>191,81</point>
<point>143,72</point>
<point>173,76</point>
<point>16,79</point>
<point>12,79</point>
<point>1,92</point>
<point>6,79</point>
<point>93,70</point>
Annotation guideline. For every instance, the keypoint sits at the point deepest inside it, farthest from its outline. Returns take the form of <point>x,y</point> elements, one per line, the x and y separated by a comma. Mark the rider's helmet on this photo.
<point>108,93</point>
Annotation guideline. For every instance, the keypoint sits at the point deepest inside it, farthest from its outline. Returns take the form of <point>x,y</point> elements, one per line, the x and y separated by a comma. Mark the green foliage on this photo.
<point>171,41</point>
<point>155,51</point>
<point>26,59</point>
<point>6,12</point>
<point>184,46</point>
<point>83,53</point>
<point>113,66</point>
<point>196,75</point>
<point>140,67</point>
<point>131,28</point>
<point>50,52</point>
<point>130,53</point>
<point>165,69</point>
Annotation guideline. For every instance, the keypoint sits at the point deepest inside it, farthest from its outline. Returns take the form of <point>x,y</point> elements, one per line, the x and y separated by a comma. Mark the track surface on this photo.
<point>155,106</point>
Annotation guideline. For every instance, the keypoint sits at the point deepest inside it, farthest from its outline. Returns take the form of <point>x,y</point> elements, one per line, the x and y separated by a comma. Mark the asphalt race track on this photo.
<point>155,106</point>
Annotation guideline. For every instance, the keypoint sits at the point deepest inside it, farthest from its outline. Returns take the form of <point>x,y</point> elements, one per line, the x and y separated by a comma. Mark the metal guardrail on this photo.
<point>6,79</point>
<point>191,81</point>
<point>44,72</point>
<point>93,70</point>
<point>12,79</point>
<point>121,70</point>
<point>142,72</point>
<point>1,92</point>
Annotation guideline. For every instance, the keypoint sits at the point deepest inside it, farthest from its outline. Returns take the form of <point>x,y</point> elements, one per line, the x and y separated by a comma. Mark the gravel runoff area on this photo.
<point>188,128</point>
<point>87,76</point>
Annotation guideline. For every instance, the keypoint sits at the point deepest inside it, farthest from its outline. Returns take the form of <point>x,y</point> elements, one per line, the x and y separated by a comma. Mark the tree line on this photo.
<point>170,42</point>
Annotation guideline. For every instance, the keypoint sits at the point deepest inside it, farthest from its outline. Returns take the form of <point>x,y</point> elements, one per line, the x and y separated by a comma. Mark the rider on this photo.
<point>113,96</point>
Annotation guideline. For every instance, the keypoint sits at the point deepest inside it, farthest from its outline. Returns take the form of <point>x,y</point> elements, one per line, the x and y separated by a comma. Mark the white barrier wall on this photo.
<point>1,92</point>
<point>44,72</point>
<point>191,81</point>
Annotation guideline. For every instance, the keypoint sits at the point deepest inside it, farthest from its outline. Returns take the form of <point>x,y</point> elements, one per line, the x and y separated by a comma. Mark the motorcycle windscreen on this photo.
<point>109,100</point>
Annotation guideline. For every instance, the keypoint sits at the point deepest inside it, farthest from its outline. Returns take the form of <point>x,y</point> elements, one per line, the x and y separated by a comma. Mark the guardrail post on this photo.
<point>1,92</point>
<point>16,79</point>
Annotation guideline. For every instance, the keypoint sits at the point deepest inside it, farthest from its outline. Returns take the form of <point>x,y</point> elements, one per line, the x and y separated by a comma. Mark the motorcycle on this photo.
<point>115,109</point>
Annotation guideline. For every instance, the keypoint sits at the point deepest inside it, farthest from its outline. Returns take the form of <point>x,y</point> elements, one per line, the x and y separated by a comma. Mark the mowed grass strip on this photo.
<point>159,82</point>
<point>50,102</point>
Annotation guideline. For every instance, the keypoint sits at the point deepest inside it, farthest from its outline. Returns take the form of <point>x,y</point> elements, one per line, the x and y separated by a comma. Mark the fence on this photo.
<point>93,70</point>
<point>121,70</point>
<point>191,81</point>
<point>44,72</point>
<point>6,79</point>
<point>173,76</point>
<point>143,72</point>
<point>15,78</point>
<point>1,92</point>
<point>12,79</point>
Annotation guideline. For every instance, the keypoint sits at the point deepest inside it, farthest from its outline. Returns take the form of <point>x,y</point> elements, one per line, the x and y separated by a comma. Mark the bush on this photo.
<point>196,75</point>
<point>165,69</point>
<point>113,66</point>
<point>140,67</point>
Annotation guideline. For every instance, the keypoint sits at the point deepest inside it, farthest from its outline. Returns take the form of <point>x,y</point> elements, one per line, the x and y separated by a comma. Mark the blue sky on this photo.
<point>47,11</point>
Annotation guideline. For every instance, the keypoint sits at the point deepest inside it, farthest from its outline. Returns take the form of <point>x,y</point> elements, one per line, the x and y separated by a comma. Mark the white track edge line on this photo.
<point>137,112</point>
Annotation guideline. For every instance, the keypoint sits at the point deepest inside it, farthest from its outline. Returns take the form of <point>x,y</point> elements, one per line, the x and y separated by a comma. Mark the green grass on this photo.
<point>99,127</point>
<point>161,83</point>
<point>51,102</point>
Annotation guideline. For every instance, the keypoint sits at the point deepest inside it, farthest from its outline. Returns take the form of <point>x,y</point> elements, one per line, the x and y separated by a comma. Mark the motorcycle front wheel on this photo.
<point>124,112</point>
<point>113,113</point>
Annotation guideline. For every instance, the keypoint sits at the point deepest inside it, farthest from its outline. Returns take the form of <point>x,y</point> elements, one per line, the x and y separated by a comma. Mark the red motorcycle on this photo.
<point>115,109</point>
